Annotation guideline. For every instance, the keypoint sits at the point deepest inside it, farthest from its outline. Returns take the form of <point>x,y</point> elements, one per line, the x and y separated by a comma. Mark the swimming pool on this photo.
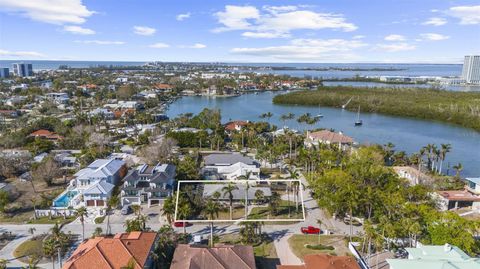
<point>64,199</point>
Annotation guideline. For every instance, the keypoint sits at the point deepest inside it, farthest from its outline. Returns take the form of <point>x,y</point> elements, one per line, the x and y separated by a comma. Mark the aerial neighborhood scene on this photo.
<point>240,135</point>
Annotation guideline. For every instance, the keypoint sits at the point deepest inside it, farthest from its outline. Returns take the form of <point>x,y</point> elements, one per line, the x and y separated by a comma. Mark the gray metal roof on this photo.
<point>228,159</point>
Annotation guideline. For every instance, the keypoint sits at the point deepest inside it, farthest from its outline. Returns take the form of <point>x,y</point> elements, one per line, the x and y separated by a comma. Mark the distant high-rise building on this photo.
<point>4,72</point>
<point>471,69</point>
<point>23,69</point>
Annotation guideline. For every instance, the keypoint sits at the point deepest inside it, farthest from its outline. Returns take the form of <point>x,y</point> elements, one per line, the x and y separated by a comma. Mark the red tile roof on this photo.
<point>232,126</point>
<point>162,86</point>
<point>220,257</point>
<point>113,252</point>
<point>330,136</point>
<point>46,134</point>
<point>324,261</point>
<point>462,195</point>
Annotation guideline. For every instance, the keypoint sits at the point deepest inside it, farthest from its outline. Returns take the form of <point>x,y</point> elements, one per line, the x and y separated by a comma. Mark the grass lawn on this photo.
<point>28,248</point>
<point>20,217</point>
<point>298,244</point>
<point>238,212</point>
<point>282,213</point>
<point>47,220</point>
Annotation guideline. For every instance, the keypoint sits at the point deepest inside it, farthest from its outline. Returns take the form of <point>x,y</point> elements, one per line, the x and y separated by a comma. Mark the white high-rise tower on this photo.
<point>471,69</point>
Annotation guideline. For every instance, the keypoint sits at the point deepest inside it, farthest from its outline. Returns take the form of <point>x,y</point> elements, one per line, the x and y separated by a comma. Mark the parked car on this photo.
<point>310,230</point>
<point>126,209</point>
<point>181,224</point>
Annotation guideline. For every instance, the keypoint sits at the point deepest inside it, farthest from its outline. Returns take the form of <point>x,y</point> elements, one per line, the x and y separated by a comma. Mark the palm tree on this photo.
<point>228,190</point>
<point>168,209</point>
<point>445,148</point>
<point>98,232</point>
<point>319,222</point>
<point>81,213</point>
<point>259,196</point>
<point>112,204</point>
<point>458,168</point>
<point>184,212</point>
<point>49,249</point>
<point>211,210</point>
<point>274,202</point>
<point>136,209</point>
<point>246,177</point>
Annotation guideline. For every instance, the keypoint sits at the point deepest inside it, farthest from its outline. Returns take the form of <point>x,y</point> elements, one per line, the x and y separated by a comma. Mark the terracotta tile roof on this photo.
<point>324,261</point>
<point>461,195</point>
<point>113,252</point>
<point>163,86</point>
<point>232,126</point>
<point>330,136</point>
<point>220,257</point>
<point>46,134</point>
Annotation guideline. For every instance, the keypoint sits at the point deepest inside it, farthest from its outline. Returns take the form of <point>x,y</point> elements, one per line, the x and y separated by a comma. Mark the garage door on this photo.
<point>90,203</point>
<point>100,203</point>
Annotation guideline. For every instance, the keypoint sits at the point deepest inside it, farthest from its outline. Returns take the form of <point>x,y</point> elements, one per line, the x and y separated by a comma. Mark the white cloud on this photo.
<point>74,29</point>
<point>49,11</point>
<point>100,42</point>
<point>264,34</point>
<point>144,30</point>
<point>394,38</point>
<point>434,37</point>
<point>466,14</point>
<point>395,47</point>
<point>358,37</point>
<point>306,50</point>
<point>184,16</point>
<point>159,45</point>
<point>194,46</point>
<point>435,21</point>
<point>22,54</point>
<point>277,21</point>
<point>236,17</point>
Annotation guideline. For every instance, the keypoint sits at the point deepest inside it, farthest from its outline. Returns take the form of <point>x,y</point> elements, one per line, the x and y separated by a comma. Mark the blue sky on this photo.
<point>431,31</point>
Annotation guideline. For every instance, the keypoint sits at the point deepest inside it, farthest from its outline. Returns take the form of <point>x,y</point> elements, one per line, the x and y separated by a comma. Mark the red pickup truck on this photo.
<point>181,224</point>
<point>310,230</point>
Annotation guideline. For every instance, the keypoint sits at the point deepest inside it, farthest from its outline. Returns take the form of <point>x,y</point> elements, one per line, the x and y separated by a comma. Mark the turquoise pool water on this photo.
<point>64,199</point>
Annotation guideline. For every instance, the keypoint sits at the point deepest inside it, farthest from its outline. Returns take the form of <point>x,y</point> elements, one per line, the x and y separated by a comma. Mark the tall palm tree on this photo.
<point>259,196</point>
<point>112,204</point>
<point>184,212</point>
<point>296,185</point>
<point>49,249</point>
<point>445,148</point>
<point>211,210</point>
<point>274,202</point>
<point>228,190</point>
<point>458,168</point>
<point>81,213</point>
<point>246,177</point>
<point>168,209</point>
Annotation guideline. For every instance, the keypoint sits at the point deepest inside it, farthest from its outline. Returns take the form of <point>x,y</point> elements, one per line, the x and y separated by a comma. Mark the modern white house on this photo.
<point>329,138</point>
<point>148,184</point>
<point>230,166</point>
<point>92,185</point>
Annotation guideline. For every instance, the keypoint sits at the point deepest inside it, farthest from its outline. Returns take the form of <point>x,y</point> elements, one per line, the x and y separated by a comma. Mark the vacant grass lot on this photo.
<point>32,247</point>
<point>298,244</point>
<point>461,108</point>
<point>282,212</point>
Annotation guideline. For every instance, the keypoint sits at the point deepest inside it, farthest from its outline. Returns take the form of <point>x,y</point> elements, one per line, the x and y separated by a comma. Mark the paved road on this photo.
<point>280,233</point>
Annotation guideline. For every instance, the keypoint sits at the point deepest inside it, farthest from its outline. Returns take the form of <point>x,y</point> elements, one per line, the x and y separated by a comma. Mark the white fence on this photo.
<point>54,212</point>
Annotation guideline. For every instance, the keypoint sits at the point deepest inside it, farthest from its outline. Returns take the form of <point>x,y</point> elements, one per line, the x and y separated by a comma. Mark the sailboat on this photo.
<point>358,122</point>
<point>319,115</point>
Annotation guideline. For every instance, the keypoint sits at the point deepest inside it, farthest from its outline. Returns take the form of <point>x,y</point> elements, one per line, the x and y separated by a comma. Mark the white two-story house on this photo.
<point>92,185</point>
<point>148,184</point>
<point>230,166</point>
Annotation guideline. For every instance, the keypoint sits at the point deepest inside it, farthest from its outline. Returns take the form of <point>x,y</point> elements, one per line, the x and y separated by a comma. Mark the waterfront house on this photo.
<point>230,166</point>
<point>235,125</point>
<point>329,138</point>
<point>118,251</point>
<point>324,261</point>
<point>148,184</point>
<point>223,256</point>
<point>413,175</point>
<point>446,256</point>
<point>466,198</point>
